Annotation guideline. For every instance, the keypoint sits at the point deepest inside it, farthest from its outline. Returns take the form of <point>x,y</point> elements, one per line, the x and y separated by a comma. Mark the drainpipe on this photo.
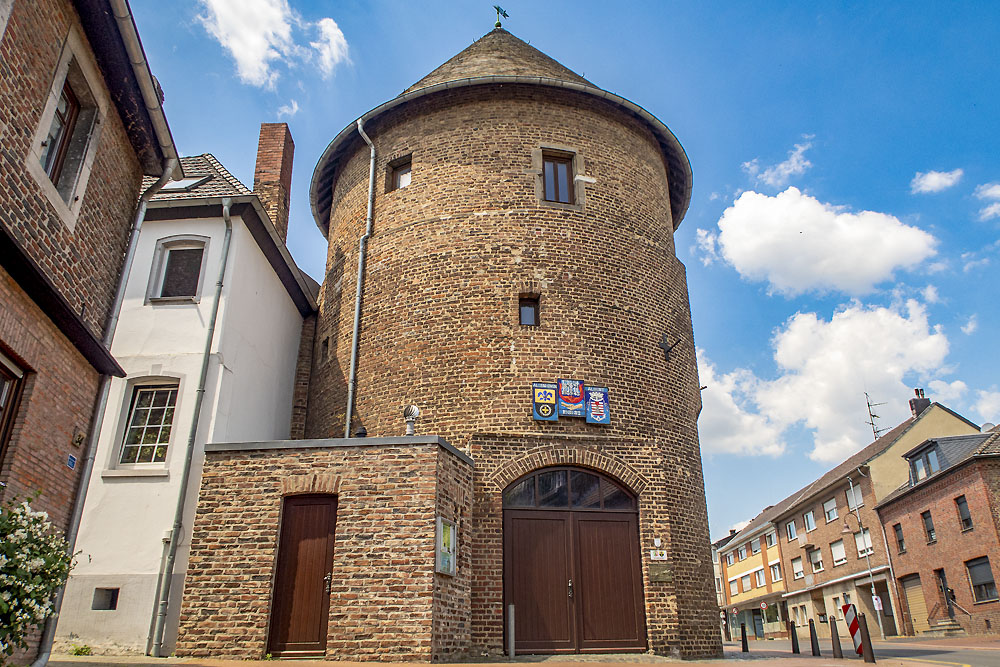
<point>362,253</point>
<point>100,404</point>
<point>175,532</point>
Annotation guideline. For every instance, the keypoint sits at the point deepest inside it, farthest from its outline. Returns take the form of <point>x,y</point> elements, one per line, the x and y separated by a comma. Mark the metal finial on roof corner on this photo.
<point>500,12</point>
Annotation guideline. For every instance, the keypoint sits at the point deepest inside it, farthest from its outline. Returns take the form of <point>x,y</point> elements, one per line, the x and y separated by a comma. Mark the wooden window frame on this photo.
<point>556,158</point>
<point>55,166</point>
<point>13,384</point>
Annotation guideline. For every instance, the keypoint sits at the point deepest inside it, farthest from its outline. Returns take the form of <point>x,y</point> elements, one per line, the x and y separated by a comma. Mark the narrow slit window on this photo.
<point>528,307</point>
<point>558,178</point>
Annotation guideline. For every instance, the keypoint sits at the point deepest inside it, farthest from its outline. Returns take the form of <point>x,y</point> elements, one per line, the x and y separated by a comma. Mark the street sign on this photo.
<point>763,605</point>
<point>877,602</point>
<point>735,611</point>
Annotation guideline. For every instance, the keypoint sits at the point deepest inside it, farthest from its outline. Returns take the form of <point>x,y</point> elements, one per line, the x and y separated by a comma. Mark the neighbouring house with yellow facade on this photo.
<point>753,579</point>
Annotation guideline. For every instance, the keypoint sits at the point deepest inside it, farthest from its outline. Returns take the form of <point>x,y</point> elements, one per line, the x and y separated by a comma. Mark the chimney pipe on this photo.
<point>272,176</point>
<point>918,404</point>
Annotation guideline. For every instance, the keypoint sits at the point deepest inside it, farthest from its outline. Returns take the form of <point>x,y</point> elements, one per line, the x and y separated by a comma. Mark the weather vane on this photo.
<point>500,12</point>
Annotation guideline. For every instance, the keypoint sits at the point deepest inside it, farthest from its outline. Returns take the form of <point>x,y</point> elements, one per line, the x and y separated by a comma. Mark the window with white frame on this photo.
<point>809,521</point>
<point>178,269</point>
<point>759,578</point>
<point>790,530</point>
<point>855,499</point>
<point>771,539</point>
<point>797,571</point>
<point>745,582</point>
<point>836,605</point>
<point>816,559</point>
<point>924,464</point>
<point>65,141</point>
<point>776,572</point>
<point>863,540</point>
<point>755,546</point>
<point>150,419</point>
<point>838,552</point>
<point>734,587</point>
<point>742,552</point>
<point>718,585</point>
<point>830,510</point>
<point>729,558</point>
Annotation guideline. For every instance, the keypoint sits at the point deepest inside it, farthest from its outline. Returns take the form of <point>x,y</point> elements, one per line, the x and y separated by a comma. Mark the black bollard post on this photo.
<point>813,639</point>
<point>866,639</point>
<point>743,637</point>
<point>835,639</point>
<point>795,637</point>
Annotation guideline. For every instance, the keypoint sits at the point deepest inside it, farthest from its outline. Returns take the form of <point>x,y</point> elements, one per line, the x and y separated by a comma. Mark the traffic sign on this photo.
<point>735,611</point>
<point>877,602</point>
<point>763,605</point>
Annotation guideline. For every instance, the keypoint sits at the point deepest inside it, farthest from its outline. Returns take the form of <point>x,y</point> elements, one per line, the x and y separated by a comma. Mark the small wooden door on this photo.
<point>915,601</point>
<point>300,604</point>
<point>571,564</point>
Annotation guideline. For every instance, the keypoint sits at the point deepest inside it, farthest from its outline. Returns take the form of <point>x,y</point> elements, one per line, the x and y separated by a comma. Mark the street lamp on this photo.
<point>861,528</point>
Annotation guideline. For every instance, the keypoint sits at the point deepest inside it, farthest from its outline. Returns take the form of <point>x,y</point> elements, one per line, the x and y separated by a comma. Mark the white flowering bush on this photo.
<point>33,563</point>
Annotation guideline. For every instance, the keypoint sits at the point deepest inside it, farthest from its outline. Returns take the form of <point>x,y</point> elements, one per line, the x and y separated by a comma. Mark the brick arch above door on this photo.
<point>571,455</point>
<point>295,485</point>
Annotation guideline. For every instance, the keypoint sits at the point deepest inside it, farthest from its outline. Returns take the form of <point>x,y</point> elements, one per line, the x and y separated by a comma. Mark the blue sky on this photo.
<point>844,230</point>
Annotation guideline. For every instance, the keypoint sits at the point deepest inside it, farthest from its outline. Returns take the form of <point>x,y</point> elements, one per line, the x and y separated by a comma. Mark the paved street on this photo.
<point>953,651</point>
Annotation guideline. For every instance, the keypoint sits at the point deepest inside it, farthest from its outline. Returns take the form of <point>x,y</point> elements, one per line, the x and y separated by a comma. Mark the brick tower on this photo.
<point>523,225</point>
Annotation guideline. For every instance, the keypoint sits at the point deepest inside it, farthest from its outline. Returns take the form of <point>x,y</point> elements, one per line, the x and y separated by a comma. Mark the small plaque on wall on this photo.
<point>447,547</point>
<point>660,573</point>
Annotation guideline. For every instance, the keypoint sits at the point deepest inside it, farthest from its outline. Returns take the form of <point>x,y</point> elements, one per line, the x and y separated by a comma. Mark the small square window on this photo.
<point>105,599</point>
<point>528,307</point>
<point>557,177</point>
<point>400,173</point>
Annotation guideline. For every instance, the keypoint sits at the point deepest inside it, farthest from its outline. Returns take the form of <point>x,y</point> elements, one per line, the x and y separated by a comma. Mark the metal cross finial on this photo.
<point>500,12</point>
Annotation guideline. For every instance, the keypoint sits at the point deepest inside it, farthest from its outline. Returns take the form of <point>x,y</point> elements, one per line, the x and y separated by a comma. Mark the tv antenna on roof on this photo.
<point>500,12</point>
<point>876,431</point>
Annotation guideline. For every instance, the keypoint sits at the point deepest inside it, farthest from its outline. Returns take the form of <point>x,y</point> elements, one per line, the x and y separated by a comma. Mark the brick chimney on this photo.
<point>272,176</point>
<point>918,404</point>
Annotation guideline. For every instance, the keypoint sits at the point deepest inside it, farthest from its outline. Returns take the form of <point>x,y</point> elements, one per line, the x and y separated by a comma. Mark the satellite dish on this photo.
<point>987,427</point>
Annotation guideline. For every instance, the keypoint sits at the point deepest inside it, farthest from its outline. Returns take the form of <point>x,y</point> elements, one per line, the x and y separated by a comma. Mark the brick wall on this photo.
<point>83,263</point>
<point>979,482</point>
<point>300,396</point>
<point>450,255</point>
<point>385,599</point>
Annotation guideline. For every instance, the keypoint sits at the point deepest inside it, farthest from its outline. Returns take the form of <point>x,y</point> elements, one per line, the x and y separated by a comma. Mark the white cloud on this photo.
<point>289,109</point>
<point>937,267</point>
<point>331,49</point>
<point>706,242</point>
<point>260,34</point>
<point>935,181</point>
<point>797,243</point>
<point>988,405</point>
<point>946,392</point>
<point>972,264</point>
<point>825,367</point>
<point>970,327</point>
<point>778,175</point>
<point>729,423</point>
<point>740,525</point>
<point>989,192</point>
<point>930,294</point>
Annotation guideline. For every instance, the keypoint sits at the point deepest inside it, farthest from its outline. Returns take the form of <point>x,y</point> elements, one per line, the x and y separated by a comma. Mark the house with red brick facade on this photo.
<point>942,528</point>
<point>81,124</point>
<point>500,236</point>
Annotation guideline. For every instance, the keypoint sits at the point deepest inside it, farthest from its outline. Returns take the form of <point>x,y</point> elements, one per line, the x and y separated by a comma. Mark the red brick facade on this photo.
<point>272,176</point>
<point>979,481</point>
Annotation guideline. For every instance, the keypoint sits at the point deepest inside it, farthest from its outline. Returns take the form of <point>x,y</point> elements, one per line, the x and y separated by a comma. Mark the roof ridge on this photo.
<point>987,443</point>
<point>225,173</point>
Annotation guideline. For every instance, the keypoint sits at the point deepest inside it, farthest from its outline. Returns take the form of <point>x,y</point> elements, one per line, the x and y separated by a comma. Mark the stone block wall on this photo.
<point>385,598</point>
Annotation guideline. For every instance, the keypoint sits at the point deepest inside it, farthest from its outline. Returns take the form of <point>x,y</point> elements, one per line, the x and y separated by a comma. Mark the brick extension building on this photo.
<point>522,227</point>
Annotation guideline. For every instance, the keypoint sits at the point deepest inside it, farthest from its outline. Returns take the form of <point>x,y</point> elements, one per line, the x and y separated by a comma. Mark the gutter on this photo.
<point>150,93</point>
<point>177,530</point>
<point>100,405</point>
<point>362,254</point>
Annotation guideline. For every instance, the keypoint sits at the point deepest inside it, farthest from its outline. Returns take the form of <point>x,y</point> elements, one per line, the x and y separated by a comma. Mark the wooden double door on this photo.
<point>300,604</point>
<point>572,565</point>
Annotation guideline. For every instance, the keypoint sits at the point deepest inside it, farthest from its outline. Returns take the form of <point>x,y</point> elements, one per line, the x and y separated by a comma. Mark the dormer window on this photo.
<point>925,464</point>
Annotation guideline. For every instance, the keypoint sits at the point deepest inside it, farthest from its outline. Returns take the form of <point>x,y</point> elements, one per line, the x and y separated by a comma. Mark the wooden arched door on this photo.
<point>571,563</point>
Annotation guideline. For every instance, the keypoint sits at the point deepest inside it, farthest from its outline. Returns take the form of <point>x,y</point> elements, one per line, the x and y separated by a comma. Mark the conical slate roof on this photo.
<point>500,58</point>
<point>498,53</point>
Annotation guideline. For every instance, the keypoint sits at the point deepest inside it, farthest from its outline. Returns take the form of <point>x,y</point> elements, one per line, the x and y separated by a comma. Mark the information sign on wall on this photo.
<point>447,547</point>
<point>543,401</point>
<point>570,398</point>
<point>596,403</point>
